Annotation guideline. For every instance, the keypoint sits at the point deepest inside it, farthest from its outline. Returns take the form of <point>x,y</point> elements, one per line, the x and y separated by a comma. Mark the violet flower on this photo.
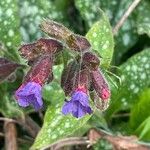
<point>30,94</point>
<point>78,105</point>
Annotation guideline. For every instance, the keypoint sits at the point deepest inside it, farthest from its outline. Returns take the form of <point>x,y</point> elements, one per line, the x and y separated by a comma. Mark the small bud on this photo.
<point>68,77</point>
<point>91,60</point>
<point>77,43</point>
<point>100,85</point>
<point>55,30</point>
<point>99,103</point>
<point>82,80</point>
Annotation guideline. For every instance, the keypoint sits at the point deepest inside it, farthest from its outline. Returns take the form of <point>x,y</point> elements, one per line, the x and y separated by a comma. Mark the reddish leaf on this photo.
<point>7,68</point>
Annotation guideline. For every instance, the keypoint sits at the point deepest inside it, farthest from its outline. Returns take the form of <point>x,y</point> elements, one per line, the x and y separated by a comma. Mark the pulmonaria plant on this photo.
<point>77,78</point>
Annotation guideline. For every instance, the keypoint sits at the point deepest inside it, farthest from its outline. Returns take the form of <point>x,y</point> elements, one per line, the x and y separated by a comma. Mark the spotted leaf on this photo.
<point>126,36</point>
<point>135,76</point>
<point>35,12</point>
<point>101,39</point>
<point>9,25</point>
<point>9,22</point>
<point>56,126</point>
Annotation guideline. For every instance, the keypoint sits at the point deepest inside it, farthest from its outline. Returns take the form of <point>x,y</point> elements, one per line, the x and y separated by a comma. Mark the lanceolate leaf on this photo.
<point>140,109</point>
<point>135,75</point>
<point>57,126</point>
<point>101,39</point>
<point>143,131</point>
<point>8,105</point>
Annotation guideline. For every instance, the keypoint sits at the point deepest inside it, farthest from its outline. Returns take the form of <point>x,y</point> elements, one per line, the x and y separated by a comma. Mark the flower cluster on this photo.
<point>79,78</point>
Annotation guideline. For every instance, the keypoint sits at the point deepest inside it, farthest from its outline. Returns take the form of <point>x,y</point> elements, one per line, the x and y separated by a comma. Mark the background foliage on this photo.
<point>128,51</point>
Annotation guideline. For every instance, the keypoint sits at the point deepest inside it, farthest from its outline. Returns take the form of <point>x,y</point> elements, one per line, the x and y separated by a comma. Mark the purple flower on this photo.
<point>30,94</point>
<point>78,105</point>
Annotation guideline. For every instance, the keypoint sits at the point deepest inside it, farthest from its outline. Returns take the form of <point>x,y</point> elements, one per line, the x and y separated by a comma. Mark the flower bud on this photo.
<point>60,32</point>
<point>40,47</point>
<point>68,77</point>
<point>100,85</point>
<point>82,80</point>
<point>90,60</point>
<point>41,70</point>
<point>77,43</point>
<point>55,30</point>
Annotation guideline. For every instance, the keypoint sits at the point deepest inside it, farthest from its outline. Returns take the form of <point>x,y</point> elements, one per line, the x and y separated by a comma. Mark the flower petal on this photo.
<point>81,97</point>
<point>30,94</point>
<point>80,112</point>
<point>68,108</point>
<point>23,102</point>
<point>28,89</point>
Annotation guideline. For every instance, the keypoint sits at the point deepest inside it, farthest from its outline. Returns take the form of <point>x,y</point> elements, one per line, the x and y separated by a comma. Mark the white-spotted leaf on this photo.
<point>135,76</point>
<point>101,39</point>
<point>57,126</point>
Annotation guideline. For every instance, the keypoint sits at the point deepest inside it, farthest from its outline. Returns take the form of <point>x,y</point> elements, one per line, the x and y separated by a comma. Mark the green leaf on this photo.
<point>52,91</point>
<point>101,39</point>
<point>9,26</point>
<point>32,13</point>
<point>88,11</point>
<point>135,75</point>
<point>57,126</point>
<point>8,105</point>
<point>143,130</point>
<point>143,18</point>
<point>140,109</point>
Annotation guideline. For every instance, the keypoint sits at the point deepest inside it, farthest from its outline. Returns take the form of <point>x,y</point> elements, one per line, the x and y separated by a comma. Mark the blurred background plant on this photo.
<point>128,113</point>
